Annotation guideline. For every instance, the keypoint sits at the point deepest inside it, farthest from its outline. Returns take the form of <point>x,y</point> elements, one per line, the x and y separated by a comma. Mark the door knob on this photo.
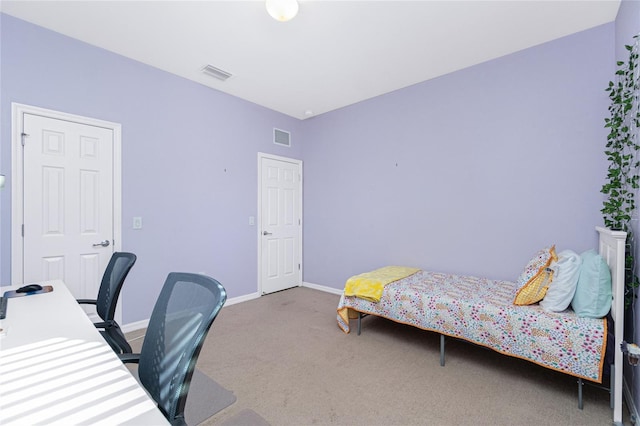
<point>266,233</point>
<point>105,243</point>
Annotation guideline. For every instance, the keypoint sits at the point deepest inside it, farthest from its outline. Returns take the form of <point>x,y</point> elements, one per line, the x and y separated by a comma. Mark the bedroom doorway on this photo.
<point>279,223</point>
<point>66,198</point>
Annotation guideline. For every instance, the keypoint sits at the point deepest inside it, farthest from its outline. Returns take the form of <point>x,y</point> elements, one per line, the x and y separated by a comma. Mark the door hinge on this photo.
<point>298,266</point>
<point>22,230</point>
<point>24,137</point>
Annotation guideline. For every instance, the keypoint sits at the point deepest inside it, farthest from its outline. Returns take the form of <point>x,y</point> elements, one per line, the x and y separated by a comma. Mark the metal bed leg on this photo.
<point>442,350</point>
<point>612,382</point>
<point>580,402</point>
<point>359,322</point>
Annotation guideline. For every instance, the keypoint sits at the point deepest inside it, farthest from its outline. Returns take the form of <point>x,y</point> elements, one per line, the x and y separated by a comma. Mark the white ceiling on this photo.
<point>333,54</point>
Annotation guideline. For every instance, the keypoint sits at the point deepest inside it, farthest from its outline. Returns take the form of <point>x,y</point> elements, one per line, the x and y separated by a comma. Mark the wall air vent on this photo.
<point>216,72</point>
<point>280,137</point>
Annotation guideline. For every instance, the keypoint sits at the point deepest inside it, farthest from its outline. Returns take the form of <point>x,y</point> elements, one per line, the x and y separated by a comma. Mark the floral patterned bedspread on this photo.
<point>482,311</point>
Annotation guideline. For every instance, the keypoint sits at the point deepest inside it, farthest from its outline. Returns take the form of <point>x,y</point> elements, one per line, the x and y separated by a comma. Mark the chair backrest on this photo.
<point>179,323</point>
<point>117,270</point>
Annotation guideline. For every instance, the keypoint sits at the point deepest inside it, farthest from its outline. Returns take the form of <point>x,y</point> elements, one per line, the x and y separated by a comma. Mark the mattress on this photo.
<point>481,311</point>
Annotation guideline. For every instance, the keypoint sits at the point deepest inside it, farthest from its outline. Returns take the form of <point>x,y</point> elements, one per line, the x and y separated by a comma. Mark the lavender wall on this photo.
<point>189,157</point>
<point>470,173</point>
<point>627,26</point>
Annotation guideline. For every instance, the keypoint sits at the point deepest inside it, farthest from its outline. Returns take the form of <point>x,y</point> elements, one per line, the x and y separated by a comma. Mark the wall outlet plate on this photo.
<point>137,222</point>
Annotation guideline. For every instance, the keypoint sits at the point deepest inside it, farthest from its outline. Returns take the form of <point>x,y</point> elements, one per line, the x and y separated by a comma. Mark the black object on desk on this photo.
<point>16,293</point>
<point>3,307</point>
<point>29,288</point>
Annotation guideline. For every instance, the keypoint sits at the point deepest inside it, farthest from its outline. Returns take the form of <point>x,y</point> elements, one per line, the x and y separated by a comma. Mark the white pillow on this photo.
<point>566,272</point>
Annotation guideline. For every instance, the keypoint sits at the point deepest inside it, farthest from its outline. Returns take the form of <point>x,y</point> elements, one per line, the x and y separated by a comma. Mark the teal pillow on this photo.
<point>593,293</point>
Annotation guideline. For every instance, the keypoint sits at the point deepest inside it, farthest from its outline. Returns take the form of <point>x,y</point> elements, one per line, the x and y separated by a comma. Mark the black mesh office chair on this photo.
<point>110,286</point>
<point>179,323</point>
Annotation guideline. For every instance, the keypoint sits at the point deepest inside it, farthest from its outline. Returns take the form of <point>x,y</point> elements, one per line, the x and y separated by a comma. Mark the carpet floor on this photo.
<point>284,358</point>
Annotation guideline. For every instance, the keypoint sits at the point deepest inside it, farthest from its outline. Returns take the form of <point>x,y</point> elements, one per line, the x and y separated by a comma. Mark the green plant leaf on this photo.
<point>622,152</point>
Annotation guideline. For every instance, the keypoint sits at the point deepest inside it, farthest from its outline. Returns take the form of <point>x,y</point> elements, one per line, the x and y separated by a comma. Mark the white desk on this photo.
<point>55,368</point>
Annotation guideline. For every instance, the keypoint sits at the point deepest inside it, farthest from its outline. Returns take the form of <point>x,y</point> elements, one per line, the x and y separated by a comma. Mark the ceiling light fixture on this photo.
<point>282,10</point>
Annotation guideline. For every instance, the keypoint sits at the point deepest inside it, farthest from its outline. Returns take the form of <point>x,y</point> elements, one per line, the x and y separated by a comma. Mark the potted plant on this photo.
<point>623,178</point>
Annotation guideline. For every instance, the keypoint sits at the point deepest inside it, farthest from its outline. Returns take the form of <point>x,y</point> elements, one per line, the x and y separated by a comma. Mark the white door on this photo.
<point>280,223</point>
<point>68,202</point>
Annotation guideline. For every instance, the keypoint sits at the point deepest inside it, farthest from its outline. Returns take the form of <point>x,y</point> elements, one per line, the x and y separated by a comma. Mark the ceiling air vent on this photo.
<point>280,137</point>
<point>216,72</point>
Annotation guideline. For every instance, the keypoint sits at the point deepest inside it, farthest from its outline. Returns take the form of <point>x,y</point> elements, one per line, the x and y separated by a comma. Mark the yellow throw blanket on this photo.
<point>370,285</point>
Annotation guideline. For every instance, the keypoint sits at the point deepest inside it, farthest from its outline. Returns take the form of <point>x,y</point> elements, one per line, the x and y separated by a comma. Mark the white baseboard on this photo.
<point>322,288</point>
<point>134,326</point>
<point>241,299</point>
<point>139,325</point>
<point>628,398</point>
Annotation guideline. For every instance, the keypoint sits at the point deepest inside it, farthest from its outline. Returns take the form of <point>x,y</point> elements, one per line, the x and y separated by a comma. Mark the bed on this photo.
<point>483,311</point>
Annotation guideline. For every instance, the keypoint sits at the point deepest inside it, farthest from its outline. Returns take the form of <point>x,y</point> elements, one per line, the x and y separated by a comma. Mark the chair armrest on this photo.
<point>129,358</point>
<point>87,301</point>
<point>104,325</point>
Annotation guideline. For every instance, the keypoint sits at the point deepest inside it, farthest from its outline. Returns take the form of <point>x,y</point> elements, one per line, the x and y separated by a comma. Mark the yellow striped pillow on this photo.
<point>535,279</point>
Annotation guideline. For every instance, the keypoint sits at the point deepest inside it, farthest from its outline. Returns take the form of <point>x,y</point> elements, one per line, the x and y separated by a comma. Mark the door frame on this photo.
<point>17,173</point>
<point>262,155</point>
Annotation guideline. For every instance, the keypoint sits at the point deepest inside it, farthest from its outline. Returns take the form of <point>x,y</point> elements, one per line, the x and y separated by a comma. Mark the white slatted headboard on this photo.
<point>612,249</point>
